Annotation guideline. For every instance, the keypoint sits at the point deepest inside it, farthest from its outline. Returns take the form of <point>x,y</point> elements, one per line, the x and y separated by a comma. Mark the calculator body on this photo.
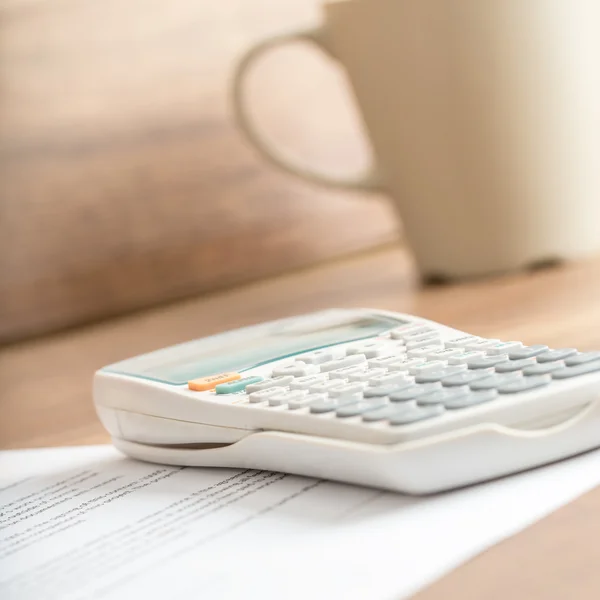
<point>361,396</point>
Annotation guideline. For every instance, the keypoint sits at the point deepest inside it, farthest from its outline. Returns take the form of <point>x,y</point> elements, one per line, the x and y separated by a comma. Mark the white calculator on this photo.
<point>363,396</point>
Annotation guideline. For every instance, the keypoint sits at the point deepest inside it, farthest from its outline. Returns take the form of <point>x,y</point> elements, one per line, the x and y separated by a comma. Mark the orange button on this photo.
<point>210,382</point>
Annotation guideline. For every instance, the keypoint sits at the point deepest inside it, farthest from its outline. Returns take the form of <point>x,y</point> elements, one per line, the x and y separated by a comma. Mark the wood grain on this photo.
<point>123,180</point>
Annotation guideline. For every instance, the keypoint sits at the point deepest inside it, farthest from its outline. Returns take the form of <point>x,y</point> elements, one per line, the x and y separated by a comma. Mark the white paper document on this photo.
<point>88,523</point>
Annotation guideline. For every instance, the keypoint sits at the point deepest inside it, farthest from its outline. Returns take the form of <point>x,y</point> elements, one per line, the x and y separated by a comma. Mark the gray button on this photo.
<point>326,405</point>
<point>472,399</point>
<point>281,381</point>
<point>419,337</point>
<point>301,401</point>
<point>577,370</point>
<point>347,361</point>
<point>527,351</point>
<point>296,369</point>
<point>486,361</point>
<point>439,374</point>
<point>514,365</point>
<point>443,395</point>
<point>466,377</point>
<point>432,365</point>
<point>379,414</point>
<point>559,354</point>
<point>262,395</point>
<point>358,408</point>
<point>582,358</point>
<point>407,414</point>
<point>377,391</point>
<point>482,344</point>
<point>444,354</point>
<point>495,380</point>
<point>522,384</point>
<point>543,368</point>
<point>414,391</point>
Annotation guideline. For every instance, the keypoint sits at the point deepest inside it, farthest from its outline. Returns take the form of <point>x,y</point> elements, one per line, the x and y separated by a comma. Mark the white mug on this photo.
<point>484,120</point>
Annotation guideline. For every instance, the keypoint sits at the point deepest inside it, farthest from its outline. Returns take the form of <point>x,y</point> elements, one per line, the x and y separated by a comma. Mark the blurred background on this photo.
<point>123,181</point>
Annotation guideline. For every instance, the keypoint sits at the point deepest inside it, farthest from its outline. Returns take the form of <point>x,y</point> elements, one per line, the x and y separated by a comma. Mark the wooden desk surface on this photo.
<point>46,400</point>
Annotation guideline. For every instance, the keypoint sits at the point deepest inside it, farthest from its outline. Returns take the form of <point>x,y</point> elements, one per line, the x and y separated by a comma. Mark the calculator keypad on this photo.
<point>411,376</point>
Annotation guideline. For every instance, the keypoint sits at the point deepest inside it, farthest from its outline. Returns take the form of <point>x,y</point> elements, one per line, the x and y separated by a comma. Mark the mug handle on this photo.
<point>368,181</point>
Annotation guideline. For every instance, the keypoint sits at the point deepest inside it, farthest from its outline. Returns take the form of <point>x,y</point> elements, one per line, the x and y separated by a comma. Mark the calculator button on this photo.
<point>404,365</point>
<point>345,372</point>
<point>523,384</point>
<point>472,399</point>
<point>301,400</point>
<point>444,354</point>
<point>430,342</point>
<point>346,361</point>
<point>348,389</point>
<point>390,378</point>
<point>432,365</point>
<point>265,394</point>
<point>358,408</point>
<point>485,362</point>
<point>296,369</point>
<point>369,349</point>
<point>423,352</point>
<point>583,369</point>
<point>466,377</point>
<point>495,380</point>
<point>407,414</point>
<point>283,381</point>
<point>543,368</point>
<point>439,374</point>
<point>482,344</point>
<point>325,386</point>
<point>552,355</point>
<point>326,405</point>
<point>385,390</point>
<point>461,342</point>
<point>401,333</point>
<point>514,365</point>
<point>504,348</point>
<point>238,385</point>
<point>419,337</point>
<point>464,357</point>
<point>443,395</point>
<point>366,375</point>
<point>287,397</point>
<point>582,358</point>
<point>316,358</point>
<point>379,414</point>
<point>413,392</point>
<point>203,384</point>
<point>527,351</point>
<point>304,383</point>
<point>382,362</point>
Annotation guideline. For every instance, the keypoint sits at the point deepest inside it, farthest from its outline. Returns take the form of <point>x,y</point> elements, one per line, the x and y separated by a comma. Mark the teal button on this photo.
<point>239,385</point>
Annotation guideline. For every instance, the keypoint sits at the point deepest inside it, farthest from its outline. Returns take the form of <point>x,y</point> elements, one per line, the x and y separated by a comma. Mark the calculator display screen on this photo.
<point>238,351</point>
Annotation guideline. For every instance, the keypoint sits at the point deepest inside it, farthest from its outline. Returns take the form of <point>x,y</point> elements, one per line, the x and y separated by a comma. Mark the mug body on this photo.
<point>484,118</point>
